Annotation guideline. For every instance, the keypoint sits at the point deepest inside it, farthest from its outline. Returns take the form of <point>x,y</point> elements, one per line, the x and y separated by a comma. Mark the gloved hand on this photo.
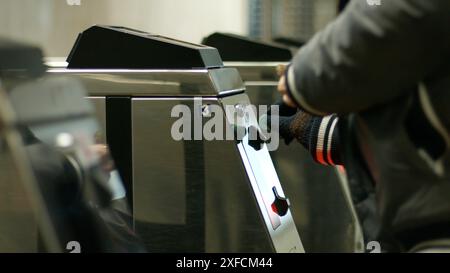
<point>293,123</point>
<point>282,89</point>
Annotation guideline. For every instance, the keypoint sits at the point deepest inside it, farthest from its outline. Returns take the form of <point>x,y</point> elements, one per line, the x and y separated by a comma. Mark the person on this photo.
<point>372,91</point>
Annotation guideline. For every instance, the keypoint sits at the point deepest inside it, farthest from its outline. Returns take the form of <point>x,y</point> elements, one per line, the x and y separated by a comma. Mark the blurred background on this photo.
<point>55,24</point>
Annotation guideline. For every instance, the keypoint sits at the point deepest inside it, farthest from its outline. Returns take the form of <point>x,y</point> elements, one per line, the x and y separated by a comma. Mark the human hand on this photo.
<point>282,87</point>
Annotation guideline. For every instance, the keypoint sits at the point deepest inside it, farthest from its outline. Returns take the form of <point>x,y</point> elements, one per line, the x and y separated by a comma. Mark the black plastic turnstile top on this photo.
<point>237,48</point>
<point>18,57</point>
<point>107,47</point>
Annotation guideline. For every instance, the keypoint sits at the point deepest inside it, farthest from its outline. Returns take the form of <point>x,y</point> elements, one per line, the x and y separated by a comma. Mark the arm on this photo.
<point>370,55</point>
<point>321,139</point>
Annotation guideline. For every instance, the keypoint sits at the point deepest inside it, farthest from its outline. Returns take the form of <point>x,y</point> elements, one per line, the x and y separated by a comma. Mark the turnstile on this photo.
<point>321,204</point>
<point>189,193</point>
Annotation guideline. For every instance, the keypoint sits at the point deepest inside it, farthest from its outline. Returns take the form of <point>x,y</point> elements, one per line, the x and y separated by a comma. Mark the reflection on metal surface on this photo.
<point>159,164</point>
<point>51,132</point>
<point>157,82</point>
<point>358,235</point>
<point>14,153</point>
<point>257,71</point>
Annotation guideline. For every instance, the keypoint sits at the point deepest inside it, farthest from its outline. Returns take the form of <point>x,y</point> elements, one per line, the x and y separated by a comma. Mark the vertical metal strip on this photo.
<point>119,138</point>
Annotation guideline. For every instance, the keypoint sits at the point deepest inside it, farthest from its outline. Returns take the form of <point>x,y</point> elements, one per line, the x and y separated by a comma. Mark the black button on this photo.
<point>281,205</point>
<point>239,132</point>
<point>256,138</point>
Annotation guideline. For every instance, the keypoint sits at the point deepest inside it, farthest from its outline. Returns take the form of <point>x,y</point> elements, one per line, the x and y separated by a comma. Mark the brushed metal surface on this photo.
<point>233,221</point>
<point>210,82</point>
<point>256,71</point>
<point>200,196</point>
<point>158,164</point>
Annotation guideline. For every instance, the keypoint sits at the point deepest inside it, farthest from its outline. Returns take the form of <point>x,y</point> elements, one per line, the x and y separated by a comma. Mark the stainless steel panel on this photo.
<point>158,164</point>
<point>24,210</point>
<point>57,123</point>
<point>256,71</point>
<point>156,82</point>
<point>199,195</point>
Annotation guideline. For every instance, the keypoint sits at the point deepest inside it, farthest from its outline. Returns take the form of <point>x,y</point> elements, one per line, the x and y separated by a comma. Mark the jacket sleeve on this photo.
<point>319,135</point>
<point>323,143</point>
<point>370,55</point>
